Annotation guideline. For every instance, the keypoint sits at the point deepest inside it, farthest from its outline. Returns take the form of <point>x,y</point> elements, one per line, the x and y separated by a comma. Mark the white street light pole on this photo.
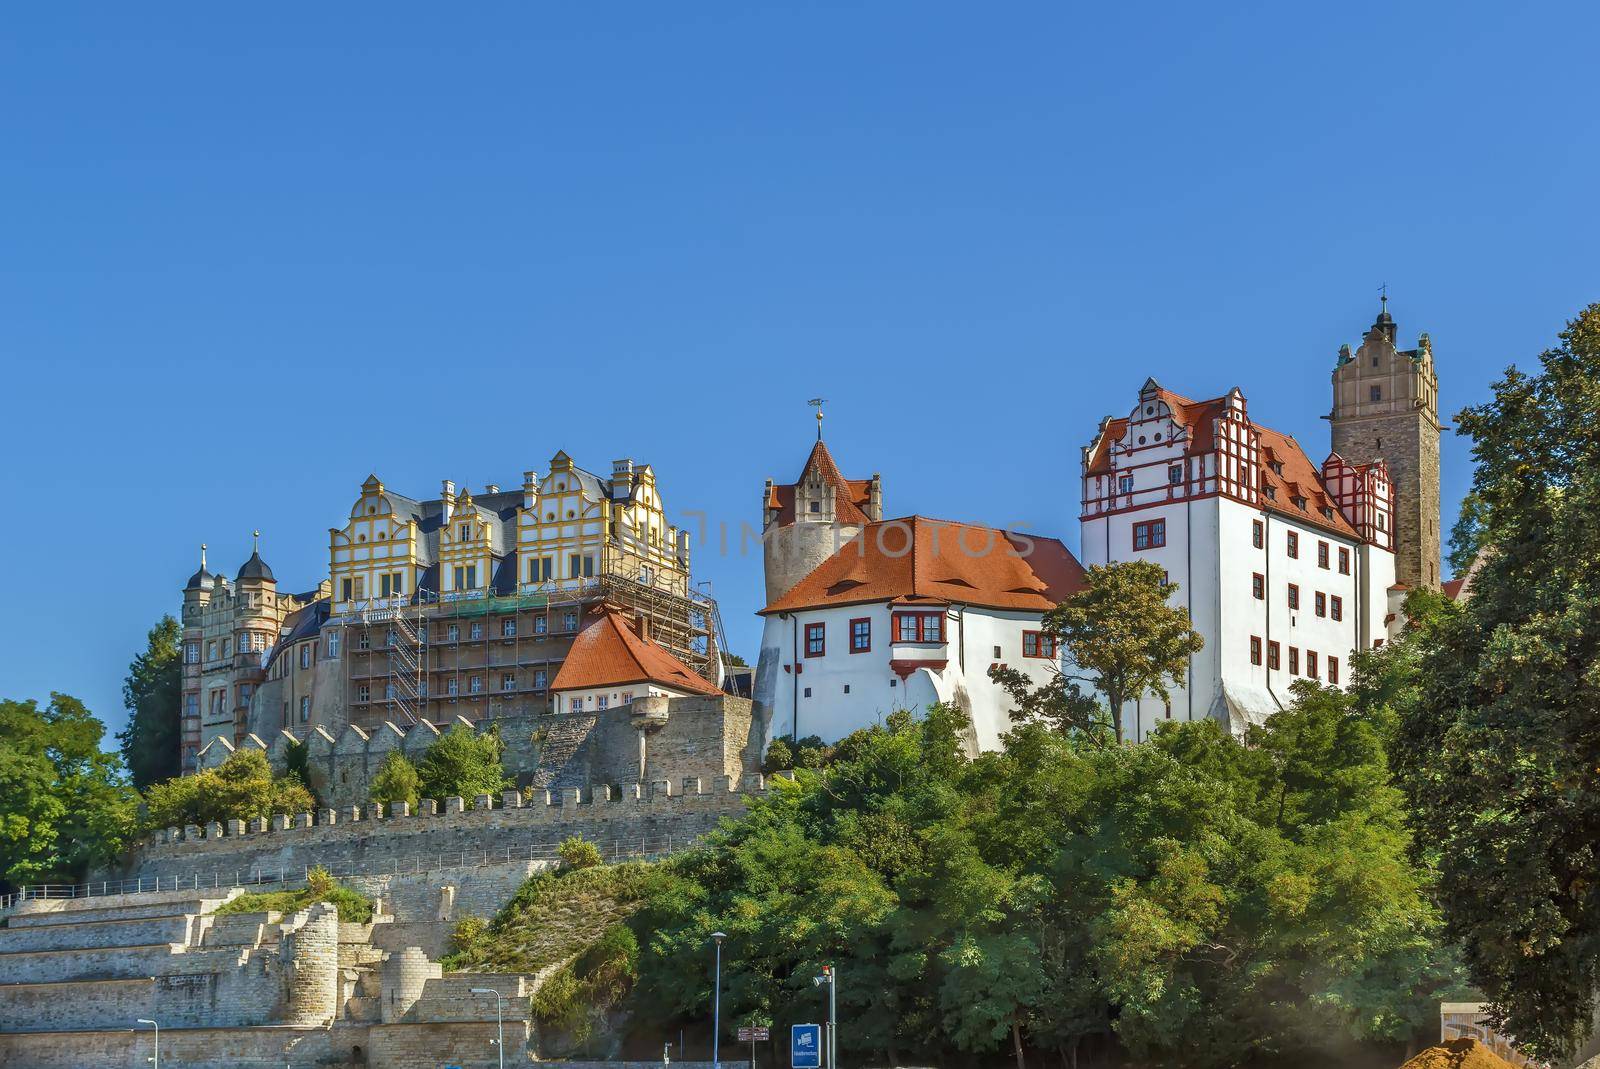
<point>157,1027</point>
<point>499,1021</point>
<point>716,1004</point>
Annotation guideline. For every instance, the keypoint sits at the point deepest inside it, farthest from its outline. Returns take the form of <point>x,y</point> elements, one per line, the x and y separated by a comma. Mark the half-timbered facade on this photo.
<point>1285,566</point>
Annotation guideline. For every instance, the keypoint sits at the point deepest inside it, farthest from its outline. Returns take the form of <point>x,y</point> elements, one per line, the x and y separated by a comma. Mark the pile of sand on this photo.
<point>1458,1054</point>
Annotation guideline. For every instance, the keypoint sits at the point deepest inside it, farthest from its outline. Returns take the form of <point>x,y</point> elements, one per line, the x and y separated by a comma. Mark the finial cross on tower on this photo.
<point>1383,294</point>
<point>817,403</point>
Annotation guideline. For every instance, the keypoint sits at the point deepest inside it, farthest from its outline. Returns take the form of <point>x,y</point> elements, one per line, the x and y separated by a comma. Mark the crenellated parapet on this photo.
<point>701,736</point>
<point>623,820</point>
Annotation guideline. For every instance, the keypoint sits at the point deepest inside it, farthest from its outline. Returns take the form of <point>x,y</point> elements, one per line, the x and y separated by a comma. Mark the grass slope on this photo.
<point>553,917</point>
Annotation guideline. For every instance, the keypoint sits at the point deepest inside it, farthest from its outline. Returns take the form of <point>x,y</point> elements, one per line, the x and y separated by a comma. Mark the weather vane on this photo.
<point>817,403</point>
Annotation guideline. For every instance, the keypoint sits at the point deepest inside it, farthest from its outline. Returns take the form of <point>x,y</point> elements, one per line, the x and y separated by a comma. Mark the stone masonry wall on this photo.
<point>350,842</point>
<point>701,737</point>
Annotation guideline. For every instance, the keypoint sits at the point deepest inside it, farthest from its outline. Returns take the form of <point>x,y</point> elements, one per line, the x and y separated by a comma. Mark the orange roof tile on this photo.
<point>609,652</point>
<point>927,561</point>
<point>850,494</point>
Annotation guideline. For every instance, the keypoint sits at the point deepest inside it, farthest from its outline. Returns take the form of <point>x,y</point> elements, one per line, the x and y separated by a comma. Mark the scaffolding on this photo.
<point>687,625</point>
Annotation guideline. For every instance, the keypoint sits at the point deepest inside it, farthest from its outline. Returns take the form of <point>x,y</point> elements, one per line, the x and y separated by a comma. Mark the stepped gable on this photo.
<point>610,653</point>
<point>917,560</point>
<point>1299,479</point>
<point>851,495</point>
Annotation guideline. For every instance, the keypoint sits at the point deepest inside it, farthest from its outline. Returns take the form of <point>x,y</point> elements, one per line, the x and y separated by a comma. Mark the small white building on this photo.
<point>1286,566</point>
<point>611,663</point>
<point>895,614</point>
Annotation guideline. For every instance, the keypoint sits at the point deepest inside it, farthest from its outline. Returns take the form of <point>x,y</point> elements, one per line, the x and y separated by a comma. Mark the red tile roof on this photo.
<point>939,562</point>
<point>850,495</point>
<point>1452,587</point>
<point>609,653</point>
<point>1300,478</point>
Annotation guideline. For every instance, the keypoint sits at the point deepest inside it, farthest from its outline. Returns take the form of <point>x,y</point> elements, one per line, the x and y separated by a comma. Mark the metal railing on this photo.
<point>643,848</point>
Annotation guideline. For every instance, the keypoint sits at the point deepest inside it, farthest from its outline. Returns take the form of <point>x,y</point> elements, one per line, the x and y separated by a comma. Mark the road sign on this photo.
<point>754,1034</point>
<point>805,1046</point>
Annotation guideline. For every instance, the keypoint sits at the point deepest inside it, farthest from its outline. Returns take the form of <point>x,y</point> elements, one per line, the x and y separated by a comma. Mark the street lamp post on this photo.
<point>830,977</point>
<point>499,1021</point>
<point>716,1004</point>
<point>157,1027</point>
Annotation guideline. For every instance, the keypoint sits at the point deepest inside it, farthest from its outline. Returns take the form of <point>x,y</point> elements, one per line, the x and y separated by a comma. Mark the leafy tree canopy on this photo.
<point>463,763</point>
<point>1122,639</point>
<point>151,692</point>
<point>1199,899</point>
<point>1498,746</point>
<point>241,788</point>
<point>65,806</point>
<point>396,781</point>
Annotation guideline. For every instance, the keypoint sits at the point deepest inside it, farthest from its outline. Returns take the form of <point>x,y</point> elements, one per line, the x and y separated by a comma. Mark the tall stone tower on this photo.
<point>1386,406</point>
<point>806,522</point>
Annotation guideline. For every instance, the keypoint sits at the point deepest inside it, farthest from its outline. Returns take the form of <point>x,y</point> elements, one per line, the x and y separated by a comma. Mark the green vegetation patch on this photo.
<point>353,906</point>
<point>553,917</point>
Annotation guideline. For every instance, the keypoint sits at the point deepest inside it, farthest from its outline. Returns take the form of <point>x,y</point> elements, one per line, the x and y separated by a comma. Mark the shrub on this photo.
<point>241,789</point>
<point>397,781</point>
<point>576,852</point>
<point>780,758</point>
<point>462,763</point>
<point>353,906</point>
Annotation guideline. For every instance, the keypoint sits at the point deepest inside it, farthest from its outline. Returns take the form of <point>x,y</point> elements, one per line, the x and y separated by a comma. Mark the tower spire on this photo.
<point>255,541</point>
<point>202,556</point>
<point>817,403</point>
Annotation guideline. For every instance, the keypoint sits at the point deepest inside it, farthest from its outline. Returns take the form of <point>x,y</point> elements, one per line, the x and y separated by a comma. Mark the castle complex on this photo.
<point>458,606</point>
<point>562,615</point>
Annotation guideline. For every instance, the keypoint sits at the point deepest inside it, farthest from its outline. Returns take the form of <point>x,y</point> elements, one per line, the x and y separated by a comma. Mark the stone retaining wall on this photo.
<point>350,841</point>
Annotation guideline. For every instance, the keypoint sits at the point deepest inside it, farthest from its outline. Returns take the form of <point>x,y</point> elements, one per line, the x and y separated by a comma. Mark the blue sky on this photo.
<point>250,255</point>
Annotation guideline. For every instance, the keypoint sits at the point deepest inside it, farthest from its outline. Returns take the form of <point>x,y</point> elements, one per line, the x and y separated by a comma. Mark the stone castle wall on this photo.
<point>623,822</point>
<point>701,737</point>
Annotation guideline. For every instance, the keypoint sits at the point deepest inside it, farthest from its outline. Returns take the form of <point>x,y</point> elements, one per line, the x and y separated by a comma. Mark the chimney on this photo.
<point>641,624</point>
<point>875,498</point>
<point>530,489</point>
<point>622,477</point>
<point>447,500</point>
<point>491,488</point>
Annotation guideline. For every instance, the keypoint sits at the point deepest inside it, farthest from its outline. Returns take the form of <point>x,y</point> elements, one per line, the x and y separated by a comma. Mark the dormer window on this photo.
<point>466,532</point>
<point>814,506</point>
<point>1276,466</point>
<point>1299,503</point>
<point>1272,492</point>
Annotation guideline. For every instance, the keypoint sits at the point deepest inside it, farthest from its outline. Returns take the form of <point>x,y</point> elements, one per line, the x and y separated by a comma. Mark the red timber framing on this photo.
<point>1365,494</point>
<point>1171,449</point>
<point>1149,439</point>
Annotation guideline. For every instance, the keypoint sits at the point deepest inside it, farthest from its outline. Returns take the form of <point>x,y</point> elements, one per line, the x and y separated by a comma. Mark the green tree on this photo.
<point>1497,748</point>
<point>241,788</point>
<point>396,781</point>
<point>65,807</point>
<point>1202,901</point>
<point>463,763</point>
<point>151,693</point>
<point>1122,640</point>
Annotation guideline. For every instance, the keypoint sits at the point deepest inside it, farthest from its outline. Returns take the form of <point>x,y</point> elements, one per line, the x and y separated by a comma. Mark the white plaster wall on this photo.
<point>971,637</point>
<point>1210,555</point>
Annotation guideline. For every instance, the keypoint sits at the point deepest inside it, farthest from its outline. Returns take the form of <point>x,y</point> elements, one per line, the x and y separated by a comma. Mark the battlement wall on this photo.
<point>355,840</point>
<point>704,737</point>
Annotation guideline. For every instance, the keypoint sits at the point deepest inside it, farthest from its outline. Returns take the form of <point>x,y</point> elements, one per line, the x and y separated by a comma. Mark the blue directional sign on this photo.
<point>805,1046</point>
